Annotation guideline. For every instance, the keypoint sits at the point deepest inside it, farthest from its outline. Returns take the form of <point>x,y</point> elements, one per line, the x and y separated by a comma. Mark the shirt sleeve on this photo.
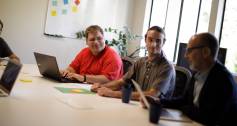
<point>113,67</point>
<point>75,64</point>
<point>131,73</point>
<point>5,50</point>
<point>165,81</point>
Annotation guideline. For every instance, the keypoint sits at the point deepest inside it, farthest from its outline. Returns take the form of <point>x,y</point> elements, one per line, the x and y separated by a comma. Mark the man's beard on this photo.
<point>191,66</point>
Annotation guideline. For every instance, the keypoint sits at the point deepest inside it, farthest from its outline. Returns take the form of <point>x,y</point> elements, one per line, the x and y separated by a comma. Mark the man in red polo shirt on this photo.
<point>98,63</point>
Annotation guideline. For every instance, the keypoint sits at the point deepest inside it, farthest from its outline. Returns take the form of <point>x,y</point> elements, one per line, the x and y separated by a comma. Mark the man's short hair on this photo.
<point>158,29</point>
<point>210,41</point>
<point>93,28</point>
<point>1,25</point>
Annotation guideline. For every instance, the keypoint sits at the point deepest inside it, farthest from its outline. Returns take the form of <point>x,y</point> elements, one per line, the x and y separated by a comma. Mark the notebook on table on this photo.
<point>166,114</point>
<point>8,78</point>
<point>48,67</point>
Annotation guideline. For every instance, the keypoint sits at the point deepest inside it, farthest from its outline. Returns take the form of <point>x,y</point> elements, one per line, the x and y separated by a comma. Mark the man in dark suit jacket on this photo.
<point>211,96</point>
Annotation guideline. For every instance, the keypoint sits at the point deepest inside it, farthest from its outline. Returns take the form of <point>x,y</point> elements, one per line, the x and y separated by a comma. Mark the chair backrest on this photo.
<point>183,77</point>
<point>127,62</point>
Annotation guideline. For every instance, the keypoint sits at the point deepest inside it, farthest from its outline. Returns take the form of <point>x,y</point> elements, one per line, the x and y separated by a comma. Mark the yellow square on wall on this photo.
<point>74,9</point>
<point>53,13</point>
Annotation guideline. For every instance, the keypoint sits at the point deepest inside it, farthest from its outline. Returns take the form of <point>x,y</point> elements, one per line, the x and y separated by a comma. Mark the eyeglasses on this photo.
<point>189,50</point>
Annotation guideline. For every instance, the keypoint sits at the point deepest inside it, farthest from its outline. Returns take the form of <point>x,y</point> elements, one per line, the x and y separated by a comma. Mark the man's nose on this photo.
<point>96,41</point>
<point>153,43</point>
<point>186,55</point>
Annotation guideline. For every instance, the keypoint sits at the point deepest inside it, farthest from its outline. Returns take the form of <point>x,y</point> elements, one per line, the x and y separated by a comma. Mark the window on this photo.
<point>171,28</point>
<point>158,17</point>
<point>157,10</point>
<point>189,20</point>
<point>195,18</point>
<point>228,36</point>
<point>180,18</point>
<point>183,18</point>
<point>204,16</point>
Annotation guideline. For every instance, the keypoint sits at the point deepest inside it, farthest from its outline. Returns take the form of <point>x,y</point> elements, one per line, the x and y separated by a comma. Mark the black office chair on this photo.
<point>183,77</point>
<point>127,62</point>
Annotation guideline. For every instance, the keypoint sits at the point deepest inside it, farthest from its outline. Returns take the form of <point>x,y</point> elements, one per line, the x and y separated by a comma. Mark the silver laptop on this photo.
<point>139,90</point>
<point>166,114</point>
<point>48,67</point>
<point>9,77</point>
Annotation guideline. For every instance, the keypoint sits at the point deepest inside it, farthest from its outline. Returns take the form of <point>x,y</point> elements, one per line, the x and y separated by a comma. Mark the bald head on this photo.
<point>208,40</point>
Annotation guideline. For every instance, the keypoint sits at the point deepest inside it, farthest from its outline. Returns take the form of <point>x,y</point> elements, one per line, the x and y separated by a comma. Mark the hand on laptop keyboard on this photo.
<point>64,73</point>
<point>74,76</point>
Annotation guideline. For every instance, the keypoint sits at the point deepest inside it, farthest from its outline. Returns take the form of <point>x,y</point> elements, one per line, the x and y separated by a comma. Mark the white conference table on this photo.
<point>35,102</point>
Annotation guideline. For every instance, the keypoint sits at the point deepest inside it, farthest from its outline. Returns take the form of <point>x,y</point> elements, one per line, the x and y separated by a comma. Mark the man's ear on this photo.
<point>206,52</point>
<point>164,41</point>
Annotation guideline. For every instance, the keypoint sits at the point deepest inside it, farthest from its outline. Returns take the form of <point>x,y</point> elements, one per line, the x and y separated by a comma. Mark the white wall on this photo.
<point>24,27</point>
<point>138,21</point>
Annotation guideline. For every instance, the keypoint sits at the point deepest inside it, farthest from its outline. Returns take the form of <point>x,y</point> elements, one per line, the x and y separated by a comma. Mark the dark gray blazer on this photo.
<point>217,99</point>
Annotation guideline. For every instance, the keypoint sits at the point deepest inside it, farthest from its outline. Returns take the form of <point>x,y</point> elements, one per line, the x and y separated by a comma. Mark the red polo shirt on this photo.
<point>107,63</point>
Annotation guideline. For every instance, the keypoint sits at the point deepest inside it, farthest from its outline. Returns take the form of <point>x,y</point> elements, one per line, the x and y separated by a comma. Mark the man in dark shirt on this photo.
<point>5,50</point>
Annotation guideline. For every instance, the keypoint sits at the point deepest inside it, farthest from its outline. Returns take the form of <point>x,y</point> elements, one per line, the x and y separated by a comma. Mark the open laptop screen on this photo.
<point>48,67</point>
<point>139,90</point>
<point>166,114</point>
<point>9,75</point>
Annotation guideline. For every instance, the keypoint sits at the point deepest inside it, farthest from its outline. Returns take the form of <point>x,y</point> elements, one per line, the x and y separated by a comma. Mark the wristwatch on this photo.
<point>84,80</point>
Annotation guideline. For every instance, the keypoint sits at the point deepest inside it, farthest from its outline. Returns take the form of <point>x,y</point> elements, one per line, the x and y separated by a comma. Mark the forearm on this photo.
<point>114,85</point>
<point>14,58</point>
<point>112,90</point>
<point>118,94</point>
<point>96,79</point>
<point>176,102</point>
<point>136,95</point>
<point>70,69</point>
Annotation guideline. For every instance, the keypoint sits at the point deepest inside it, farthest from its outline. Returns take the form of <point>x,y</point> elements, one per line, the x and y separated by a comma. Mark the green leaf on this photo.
<point>106,42</point>
<point>110,29</point>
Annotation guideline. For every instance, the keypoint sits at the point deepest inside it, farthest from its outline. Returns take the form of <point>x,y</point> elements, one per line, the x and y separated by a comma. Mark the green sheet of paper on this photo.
<point>74,90</point>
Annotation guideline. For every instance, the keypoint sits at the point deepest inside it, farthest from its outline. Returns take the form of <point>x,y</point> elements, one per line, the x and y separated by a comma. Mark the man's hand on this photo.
<point>95,87</point>
<point>64,73</point>
<point>74,76</point>
<point>103,91</point>
<point>150,100</point>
